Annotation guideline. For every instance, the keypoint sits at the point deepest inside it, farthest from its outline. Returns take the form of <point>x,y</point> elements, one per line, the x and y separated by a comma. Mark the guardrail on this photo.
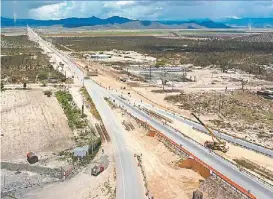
<point>227,180</point>
<point>171,111</point>
<point>236,186</point>
<point>235,165</point>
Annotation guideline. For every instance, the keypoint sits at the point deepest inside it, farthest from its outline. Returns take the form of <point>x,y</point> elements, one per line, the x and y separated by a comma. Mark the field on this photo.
<point>251,57</point>
<point>32,121</point>
<point>23,61</point>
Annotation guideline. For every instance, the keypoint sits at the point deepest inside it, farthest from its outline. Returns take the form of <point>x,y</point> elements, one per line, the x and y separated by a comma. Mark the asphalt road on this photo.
<point>255,186</point>
<point>226,137</point>
<point>130,182</point>
<point>130,186</point>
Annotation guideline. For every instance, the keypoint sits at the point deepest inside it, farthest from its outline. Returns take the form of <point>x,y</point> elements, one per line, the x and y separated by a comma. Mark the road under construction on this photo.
<point>129,182</point>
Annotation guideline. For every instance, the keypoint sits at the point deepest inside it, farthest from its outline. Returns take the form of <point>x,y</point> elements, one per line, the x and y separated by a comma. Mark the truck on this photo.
<point>97,169</point>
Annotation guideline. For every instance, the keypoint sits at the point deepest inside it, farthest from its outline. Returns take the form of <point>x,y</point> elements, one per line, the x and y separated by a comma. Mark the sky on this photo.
<point>140,9</point>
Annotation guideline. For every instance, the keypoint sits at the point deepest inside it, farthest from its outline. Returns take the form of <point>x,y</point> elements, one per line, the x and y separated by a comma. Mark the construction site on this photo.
<point>87,123</point>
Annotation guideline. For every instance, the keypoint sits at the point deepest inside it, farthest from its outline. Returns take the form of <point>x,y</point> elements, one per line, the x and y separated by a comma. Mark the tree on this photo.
<point>163,77</point>
<point>160,62</point>
<point>2,86</point>
<point>243,83</point>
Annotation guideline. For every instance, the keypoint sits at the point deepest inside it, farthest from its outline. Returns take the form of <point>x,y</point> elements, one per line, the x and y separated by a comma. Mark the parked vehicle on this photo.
<point>97,169</point>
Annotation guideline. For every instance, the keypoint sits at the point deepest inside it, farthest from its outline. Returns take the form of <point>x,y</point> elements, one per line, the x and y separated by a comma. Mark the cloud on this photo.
<point>233,17</point>
<point>124,3</point>
<point>53,11</point>
<point>138,9</point>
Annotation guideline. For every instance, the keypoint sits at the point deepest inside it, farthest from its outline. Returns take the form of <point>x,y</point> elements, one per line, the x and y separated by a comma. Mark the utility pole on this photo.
<point>82,99</point>
<point>127,73</point>
<point>150,72</point>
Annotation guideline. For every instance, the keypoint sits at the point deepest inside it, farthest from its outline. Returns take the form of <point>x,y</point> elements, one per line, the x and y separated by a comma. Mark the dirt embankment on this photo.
<point>164,178</point>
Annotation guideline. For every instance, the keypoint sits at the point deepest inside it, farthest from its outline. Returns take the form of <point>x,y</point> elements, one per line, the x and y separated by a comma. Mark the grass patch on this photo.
<point>110,103</point>
<point>75,118</point>
<point>90,102</point>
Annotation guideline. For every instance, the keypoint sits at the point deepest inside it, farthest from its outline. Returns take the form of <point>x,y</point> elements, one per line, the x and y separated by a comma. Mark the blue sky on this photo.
<point>150,10</point>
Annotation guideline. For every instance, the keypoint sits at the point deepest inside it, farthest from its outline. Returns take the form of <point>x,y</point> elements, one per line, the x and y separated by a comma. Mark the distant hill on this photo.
<point>245,22</point>
<point>113,22</point>
<point>198,23</point>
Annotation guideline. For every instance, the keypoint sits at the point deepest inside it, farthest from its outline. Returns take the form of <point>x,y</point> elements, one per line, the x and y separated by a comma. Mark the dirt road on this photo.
<point>83,185</point>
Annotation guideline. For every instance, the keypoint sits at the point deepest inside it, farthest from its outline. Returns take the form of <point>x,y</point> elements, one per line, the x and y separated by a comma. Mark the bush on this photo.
<point>2,86</point>
<point>73,114</point>
<point>48,93</point>
<point>42,75</point>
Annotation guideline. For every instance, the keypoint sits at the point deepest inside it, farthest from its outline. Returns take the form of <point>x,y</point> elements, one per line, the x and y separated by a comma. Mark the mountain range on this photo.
<point>113,22</point>
<point>117,22</point>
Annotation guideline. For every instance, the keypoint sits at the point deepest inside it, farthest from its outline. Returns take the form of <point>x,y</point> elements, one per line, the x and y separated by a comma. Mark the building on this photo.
<point>100,56</point>
<point>81,152</point>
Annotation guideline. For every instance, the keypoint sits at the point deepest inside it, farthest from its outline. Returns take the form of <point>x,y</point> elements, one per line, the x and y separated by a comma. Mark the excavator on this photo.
<point>216,143</point>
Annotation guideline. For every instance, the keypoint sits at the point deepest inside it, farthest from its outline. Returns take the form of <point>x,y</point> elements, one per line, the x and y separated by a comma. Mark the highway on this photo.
<point>129,179</point>
<point>199,127</point>
<point>255,186</point>
<point>126,184</point>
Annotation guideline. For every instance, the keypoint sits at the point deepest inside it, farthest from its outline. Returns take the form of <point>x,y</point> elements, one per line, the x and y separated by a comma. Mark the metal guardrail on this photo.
<point>227,180</point>
<point>238,187</point>
<point>171,111</point>
<point>235,165</point>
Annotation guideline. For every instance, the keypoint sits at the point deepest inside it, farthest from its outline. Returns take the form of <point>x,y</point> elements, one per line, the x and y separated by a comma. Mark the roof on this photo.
<point>83,148</point>
<point>81,151</point>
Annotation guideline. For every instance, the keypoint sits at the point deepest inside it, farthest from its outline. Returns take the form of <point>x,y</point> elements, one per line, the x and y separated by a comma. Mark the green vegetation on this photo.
<point>23,60</point>
<point>2,86</point>
<point>89,100</point>
<point>48,93</point>
<point>77,120</point>
<point>73,114</point>
<point>160,62</point>
<point>110,103</point>
<point>223,53</point>
<point>94,146</point>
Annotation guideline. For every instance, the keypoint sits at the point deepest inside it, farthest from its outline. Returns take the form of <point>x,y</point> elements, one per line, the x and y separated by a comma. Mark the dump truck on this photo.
<point>32,158</point>
<point>97,169</point>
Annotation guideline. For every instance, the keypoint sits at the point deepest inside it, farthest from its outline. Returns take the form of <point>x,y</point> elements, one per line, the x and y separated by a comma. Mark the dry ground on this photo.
<point>109,79</point>
<point>165,179</point>
<point>83,185</point>
<point>32,122</point>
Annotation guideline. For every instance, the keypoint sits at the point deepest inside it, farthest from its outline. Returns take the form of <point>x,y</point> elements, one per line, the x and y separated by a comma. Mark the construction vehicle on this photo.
<point>216,143</point>
<point>97,169</point>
